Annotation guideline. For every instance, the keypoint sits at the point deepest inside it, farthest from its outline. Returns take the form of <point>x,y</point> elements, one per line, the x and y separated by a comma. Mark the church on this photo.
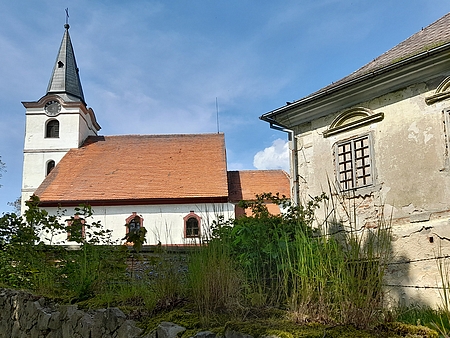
<point>175,186</point>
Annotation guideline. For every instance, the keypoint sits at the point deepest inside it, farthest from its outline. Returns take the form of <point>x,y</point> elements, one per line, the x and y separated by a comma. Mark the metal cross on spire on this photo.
<point>67,17</point>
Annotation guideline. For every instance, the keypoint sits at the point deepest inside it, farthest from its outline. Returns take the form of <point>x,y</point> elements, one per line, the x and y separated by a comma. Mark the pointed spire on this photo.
<point>65,80</point>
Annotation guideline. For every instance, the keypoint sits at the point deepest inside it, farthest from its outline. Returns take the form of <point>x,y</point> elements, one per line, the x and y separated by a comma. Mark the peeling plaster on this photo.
<point>443,238</point>
<point>420,217</point>
<point>410,208</point>
<point>413,131</point>
<point>427,136</point>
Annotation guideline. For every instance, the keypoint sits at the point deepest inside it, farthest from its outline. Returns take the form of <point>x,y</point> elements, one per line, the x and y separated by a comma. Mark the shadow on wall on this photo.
<point>410,251</point>
<point>414,276</point>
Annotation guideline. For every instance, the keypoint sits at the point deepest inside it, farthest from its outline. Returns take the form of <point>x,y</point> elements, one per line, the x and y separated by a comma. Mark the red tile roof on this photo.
<point>244,185</point>
<point>139,169</point>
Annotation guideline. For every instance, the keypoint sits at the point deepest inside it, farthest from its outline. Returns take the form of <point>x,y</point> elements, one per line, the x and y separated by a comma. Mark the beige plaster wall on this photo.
<point>412,187</point>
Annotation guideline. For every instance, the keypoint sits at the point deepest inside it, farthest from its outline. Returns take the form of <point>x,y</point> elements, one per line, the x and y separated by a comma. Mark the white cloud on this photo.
<point>274,157</point>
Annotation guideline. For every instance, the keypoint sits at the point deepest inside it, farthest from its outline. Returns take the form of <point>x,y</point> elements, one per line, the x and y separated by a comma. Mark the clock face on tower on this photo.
<point>52,108</point>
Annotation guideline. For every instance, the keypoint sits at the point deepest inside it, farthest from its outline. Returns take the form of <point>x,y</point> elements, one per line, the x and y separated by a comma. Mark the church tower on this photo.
<point>57,122</point>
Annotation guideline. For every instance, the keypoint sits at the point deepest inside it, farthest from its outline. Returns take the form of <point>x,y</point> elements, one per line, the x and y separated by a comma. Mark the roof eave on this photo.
<point>383,80</point>
<point>141,201</point>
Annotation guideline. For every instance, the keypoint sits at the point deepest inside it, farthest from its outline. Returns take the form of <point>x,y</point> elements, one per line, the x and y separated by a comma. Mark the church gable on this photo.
<point>246,184</point>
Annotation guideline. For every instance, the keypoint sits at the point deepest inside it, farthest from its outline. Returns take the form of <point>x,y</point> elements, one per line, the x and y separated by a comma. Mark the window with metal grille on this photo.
<point>52,129</point>
<point>134,223</point>
<point>354,163</point>
<point>192,229</point>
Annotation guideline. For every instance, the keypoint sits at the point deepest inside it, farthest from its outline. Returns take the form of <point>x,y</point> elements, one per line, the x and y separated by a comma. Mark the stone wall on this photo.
<point>24,315</point>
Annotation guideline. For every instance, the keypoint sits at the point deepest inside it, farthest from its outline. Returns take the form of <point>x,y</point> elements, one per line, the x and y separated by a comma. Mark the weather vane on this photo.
<point>67,16</point>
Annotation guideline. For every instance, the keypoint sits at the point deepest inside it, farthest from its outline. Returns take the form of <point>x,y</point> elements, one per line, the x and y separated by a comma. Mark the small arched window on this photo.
<point>50,166</point>
<point>134,223</point>
<point>192,225</point>
<point>52,129</point>
<point>76,230</point>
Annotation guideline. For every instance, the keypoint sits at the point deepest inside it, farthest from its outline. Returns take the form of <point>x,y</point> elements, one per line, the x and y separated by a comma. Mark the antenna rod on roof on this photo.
<point>217,112</point>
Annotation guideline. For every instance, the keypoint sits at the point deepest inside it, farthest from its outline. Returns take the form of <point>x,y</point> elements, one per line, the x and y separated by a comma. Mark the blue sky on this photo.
<point>157,67</point>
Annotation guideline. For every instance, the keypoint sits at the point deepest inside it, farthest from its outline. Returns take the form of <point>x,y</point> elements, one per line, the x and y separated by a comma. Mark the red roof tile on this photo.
<point>136,167</point>
<point>244,185</point>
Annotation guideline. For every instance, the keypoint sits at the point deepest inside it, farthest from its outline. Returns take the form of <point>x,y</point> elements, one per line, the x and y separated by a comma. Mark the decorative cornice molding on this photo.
<point>352,118</point>
<point>442,92</point>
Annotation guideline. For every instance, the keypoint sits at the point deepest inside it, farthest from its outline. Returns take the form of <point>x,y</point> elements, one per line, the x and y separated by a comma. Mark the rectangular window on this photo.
<point>354,163</point>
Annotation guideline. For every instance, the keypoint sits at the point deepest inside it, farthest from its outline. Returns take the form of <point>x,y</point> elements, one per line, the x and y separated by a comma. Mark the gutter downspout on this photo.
<point>293,156</point>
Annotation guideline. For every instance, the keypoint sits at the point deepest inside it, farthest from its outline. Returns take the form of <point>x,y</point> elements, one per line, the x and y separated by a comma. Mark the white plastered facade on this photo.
<point>164,223</point>
<point>75,125</point>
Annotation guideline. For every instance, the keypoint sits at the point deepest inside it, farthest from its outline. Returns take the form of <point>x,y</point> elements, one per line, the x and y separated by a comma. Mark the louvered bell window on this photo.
<point>52,130</point>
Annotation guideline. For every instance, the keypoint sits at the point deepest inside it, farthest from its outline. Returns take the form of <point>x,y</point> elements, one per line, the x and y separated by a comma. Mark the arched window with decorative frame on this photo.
<point>192,225</point>
<point>354,154</point>
<point>133,223</point>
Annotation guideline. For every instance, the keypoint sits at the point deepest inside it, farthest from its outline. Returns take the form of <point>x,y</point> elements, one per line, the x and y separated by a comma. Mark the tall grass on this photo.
<point>214,281</point>
<point>442,320</point>
<point>337,279</point>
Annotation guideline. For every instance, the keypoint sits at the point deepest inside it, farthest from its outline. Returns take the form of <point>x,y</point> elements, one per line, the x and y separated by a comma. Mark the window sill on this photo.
<point>360,192</point>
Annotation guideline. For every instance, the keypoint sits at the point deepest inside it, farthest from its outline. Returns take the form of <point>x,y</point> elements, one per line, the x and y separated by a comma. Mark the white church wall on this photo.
<point>164,223</point>
<point>86,127</point>
<point>35,167</point>
<point>35,170</point>
<point>68,131</point>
